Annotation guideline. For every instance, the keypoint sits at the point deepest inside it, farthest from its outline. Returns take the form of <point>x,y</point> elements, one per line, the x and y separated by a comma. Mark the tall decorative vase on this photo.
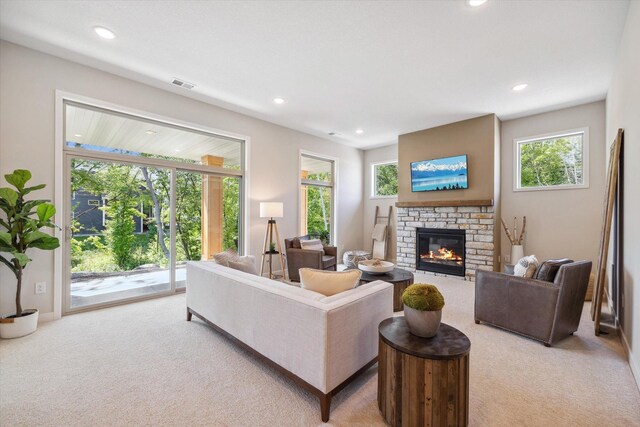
<point>517,252</point>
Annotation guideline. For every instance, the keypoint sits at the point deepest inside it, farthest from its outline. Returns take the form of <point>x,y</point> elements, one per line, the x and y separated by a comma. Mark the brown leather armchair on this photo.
<point>298,258</point>
<point>541,310</point>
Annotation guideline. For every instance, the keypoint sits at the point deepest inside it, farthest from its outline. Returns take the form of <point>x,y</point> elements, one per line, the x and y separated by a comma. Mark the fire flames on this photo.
<point>443,254</point>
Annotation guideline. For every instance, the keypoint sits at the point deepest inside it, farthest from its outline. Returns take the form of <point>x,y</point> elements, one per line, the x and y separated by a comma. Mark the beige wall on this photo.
<point>474,137</point>
<point>623,111</point>
<point>28,80</point>
<point>377,155</point>
<point>560,223</point>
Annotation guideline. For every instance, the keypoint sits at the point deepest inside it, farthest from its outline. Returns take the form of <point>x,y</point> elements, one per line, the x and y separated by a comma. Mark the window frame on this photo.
<point>64,153</point>
<point>518,142</point>
<point>332,185</point>
<point>372,194</point>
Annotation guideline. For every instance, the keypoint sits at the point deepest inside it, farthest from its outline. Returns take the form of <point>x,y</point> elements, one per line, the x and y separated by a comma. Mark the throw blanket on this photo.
<point>379,232</point>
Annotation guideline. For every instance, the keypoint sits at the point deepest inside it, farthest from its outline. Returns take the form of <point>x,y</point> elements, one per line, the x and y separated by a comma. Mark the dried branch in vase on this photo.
<point>524,225</point>
<point>514,237</point>
<point>506,230</point>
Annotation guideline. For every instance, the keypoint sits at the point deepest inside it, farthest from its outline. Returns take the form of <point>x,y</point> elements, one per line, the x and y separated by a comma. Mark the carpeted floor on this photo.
<point>143,364</point>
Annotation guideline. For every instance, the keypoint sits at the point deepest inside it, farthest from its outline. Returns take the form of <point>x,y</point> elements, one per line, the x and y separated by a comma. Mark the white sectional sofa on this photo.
<point>320,342</point>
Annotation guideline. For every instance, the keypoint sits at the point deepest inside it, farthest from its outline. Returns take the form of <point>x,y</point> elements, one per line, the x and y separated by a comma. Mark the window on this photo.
<point>552,162</point>
<point>317,203</point>
<point>151,195</point>
<point>384,179</point>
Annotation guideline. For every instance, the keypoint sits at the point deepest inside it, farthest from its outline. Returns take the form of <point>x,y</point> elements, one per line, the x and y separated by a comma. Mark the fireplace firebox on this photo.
<point>440,251</point>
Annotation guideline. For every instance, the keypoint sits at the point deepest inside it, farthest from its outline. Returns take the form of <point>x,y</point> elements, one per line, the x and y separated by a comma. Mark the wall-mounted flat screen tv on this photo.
<point>447,173</point>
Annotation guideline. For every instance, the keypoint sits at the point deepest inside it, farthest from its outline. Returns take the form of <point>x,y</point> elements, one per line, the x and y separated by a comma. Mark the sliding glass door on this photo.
<point>120,234</point>
<point>144,198</point>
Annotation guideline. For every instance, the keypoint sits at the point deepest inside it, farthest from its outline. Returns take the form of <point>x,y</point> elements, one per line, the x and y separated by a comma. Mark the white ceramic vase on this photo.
<point>16,327</point>
<point>422,323</point>
<point>517,252</point>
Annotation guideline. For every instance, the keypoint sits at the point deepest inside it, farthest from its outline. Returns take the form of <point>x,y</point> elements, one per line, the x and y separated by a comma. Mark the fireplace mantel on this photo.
<point>441,203</point>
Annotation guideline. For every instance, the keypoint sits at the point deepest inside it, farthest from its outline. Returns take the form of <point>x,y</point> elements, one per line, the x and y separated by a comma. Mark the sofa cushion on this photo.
<point>329,282</point>
<point>312,245</point>
<point>548,269</point>
<point>526,267</point>
<point>246,264</point>
<point>223,258</point>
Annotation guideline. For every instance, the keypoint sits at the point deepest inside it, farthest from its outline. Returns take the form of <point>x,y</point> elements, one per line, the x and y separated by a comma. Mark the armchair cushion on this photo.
<point>328,261</point>
<point>548,269</point>
<point>313,245</point>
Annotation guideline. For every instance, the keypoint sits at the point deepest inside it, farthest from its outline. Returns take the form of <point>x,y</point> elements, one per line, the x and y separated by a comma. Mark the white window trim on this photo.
<point>585,160</point>
<point>372,169</point>
<point>333,186</point>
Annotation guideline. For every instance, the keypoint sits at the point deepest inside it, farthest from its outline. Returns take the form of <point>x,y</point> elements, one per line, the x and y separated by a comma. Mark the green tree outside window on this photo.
<point>385,179</point>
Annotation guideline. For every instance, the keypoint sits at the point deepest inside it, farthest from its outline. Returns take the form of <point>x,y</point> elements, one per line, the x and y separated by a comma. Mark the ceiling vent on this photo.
<point>182,83</point>
<point>334,134</point>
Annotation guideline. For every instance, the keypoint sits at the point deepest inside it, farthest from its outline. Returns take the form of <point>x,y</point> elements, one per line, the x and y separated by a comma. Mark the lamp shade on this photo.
<point>271,209</point>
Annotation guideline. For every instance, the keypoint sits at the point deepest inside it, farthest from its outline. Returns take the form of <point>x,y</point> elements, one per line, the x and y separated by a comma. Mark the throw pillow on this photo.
<point>312,245</point>
<point>329,282</point>
<point>223,258</point>
<point>526,267</point>
<point>548,269</point>
<point>246,264</point>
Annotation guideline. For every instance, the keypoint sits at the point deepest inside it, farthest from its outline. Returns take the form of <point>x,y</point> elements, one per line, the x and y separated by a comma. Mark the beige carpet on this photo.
<point>143,364</point>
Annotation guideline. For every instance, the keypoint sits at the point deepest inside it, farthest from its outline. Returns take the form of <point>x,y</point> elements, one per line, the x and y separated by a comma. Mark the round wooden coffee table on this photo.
<point>423,381</point>
<point>400,279</point>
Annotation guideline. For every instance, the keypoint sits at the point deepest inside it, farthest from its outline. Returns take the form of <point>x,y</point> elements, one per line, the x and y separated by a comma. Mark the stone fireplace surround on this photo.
<point>478,221</point>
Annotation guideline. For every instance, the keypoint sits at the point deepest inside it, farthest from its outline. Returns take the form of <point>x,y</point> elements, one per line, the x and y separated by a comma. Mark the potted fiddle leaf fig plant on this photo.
<point>423,309</point>
<point>20,226</point>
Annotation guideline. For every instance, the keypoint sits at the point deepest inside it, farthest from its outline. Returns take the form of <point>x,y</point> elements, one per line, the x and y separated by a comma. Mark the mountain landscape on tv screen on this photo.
<point>439,174</point>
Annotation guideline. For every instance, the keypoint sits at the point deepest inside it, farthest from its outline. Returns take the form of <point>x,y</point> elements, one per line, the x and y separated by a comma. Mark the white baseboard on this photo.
<point>46,317</point>
<point>632,363</point>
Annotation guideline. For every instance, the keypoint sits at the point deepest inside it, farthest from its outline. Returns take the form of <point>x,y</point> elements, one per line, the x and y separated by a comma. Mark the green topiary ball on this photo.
<point>423,297</point>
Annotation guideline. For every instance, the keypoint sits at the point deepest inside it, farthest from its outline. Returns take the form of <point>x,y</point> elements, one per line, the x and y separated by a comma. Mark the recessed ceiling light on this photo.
<point>278,101</point>
<point>177,150</point>
<point>520,86</point>
<point>359,131</point>
<point>476,3</point>
<point>151,132</point>
<point>105,33</point>
<point>77,135</point>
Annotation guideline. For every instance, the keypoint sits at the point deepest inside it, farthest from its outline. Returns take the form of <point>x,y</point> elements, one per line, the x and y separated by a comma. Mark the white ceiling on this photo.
<point>386,67</point>
<point>95,127</point>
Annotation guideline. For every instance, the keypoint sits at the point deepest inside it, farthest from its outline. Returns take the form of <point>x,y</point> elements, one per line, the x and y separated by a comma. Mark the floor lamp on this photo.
<point>272,210</point>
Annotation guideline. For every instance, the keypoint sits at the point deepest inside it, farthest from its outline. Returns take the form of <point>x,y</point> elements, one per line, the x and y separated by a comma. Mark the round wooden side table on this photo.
<point>423,381</point>
<point>400,278</point>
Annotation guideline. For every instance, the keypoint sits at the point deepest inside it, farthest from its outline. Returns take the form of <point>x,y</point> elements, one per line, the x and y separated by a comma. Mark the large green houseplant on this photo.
<point>20,227</point>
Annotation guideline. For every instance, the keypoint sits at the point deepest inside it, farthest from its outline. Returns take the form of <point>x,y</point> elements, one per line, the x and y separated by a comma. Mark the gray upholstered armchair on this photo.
<point>538,309</point>
<point>298,258</point>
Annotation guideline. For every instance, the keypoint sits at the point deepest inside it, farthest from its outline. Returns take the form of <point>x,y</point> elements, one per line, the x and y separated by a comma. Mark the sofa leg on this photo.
<point>547,344</point>
<point>325,407</point>
<point>477,322</point>
<point>189,314</point>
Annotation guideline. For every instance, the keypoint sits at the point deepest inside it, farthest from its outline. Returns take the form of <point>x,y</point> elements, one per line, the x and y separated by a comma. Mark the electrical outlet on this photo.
<point>506,258</point>
<point>41,287</point>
